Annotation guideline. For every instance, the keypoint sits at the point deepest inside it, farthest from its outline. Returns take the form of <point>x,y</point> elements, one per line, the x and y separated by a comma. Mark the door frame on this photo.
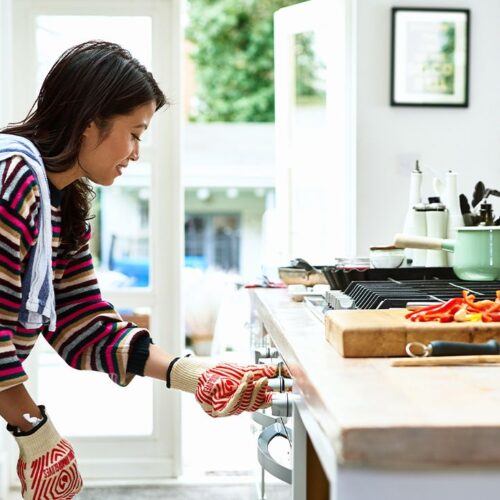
<point>336,20</point>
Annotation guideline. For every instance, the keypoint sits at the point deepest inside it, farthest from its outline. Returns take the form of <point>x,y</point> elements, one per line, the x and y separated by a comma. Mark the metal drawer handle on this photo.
<point>265,459</point>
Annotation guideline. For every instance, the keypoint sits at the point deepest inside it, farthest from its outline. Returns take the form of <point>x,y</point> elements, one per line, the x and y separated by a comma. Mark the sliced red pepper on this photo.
<point>494,316</point>
<point>483,305</point>
<point>486,317</point>
<point>446,319</point>
<point>495,307</point>
<point>469,300</point>
<point>444,313</point>
<point>446,307</point>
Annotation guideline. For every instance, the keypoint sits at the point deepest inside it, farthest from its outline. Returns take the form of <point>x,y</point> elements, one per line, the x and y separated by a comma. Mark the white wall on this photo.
<point>465,139</point>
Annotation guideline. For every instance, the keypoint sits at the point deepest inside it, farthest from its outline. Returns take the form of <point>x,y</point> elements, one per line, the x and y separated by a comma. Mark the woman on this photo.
<point>86,124</point>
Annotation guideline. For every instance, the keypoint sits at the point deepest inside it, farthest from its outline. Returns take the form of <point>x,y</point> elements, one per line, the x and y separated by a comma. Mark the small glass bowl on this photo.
<point>386,257</point>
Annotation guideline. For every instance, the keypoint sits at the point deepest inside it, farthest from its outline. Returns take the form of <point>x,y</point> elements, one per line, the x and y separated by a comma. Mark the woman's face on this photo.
<point>103,160</point>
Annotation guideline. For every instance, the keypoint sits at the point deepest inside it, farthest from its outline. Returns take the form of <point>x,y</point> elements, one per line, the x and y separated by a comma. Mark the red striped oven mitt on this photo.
<point>224,389</point>
<point>46,467</point>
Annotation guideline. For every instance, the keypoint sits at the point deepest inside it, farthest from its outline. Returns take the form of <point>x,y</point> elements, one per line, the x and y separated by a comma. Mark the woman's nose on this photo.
<point>135,153</point>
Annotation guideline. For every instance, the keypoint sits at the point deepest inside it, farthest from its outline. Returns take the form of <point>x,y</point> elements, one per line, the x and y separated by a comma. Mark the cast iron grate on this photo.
<point>391,293</point>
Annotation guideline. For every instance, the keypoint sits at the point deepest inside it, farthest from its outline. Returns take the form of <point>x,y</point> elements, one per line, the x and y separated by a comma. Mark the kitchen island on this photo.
<point>382,432</point>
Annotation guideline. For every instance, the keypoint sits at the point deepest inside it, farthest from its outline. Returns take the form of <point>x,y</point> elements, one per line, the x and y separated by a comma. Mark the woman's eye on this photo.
<point>136,137</point>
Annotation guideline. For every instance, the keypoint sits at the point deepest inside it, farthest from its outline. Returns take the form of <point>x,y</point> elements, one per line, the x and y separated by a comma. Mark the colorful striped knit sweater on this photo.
<point>90,334</point>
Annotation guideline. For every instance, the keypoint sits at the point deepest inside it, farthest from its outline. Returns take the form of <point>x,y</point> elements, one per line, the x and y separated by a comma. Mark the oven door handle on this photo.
<point>265,459</point>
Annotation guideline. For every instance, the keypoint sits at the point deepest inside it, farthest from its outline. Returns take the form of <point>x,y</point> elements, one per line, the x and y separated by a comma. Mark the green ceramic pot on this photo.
<point>477,253</point>
<point>476,248</point>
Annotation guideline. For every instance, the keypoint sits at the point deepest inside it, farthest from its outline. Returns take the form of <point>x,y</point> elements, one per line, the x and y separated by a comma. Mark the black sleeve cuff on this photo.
<point>139,354</point>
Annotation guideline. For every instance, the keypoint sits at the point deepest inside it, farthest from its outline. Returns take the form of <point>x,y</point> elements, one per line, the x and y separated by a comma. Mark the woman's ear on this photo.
<point>90,129</point>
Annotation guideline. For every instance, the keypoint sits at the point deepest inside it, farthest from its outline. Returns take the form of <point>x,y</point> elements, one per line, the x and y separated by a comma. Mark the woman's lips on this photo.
<point>120,168</point>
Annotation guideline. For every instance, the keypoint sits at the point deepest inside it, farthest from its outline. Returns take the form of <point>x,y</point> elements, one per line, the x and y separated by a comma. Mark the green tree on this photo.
<point>234,58</point>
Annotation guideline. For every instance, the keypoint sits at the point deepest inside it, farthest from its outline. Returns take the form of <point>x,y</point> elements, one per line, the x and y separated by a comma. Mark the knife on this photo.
<point>446,348</point>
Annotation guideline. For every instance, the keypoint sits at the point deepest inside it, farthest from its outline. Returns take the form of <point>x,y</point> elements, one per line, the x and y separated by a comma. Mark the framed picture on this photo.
<point>430,57</point>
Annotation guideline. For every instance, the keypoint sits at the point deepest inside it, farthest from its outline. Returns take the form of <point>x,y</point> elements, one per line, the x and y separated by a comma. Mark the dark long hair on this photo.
<point>93,81</point>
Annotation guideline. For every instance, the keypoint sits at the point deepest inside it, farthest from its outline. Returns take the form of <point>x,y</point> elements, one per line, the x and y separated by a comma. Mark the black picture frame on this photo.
<point>430,57</point>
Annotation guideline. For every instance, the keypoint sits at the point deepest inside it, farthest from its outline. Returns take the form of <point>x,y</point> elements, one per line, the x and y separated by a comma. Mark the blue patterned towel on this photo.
<point>38,305</point>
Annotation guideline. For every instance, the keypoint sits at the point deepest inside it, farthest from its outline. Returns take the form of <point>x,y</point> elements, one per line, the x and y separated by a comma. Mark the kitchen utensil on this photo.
<point>300,272</point>
<point>478,194</point>
<point>366,333</point>
<point>386,256</point>
<point>466,211</point>
<point>444,348</point>
<point>449,361</point>
<point>464,204</point>
<point>477,251</point>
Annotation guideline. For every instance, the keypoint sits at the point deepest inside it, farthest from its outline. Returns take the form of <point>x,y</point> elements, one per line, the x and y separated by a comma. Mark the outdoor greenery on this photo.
<point>234,58</point>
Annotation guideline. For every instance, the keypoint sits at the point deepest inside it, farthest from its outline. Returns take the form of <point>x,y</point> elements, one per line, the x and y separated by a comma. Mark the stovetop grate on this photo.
<point>391,293</point>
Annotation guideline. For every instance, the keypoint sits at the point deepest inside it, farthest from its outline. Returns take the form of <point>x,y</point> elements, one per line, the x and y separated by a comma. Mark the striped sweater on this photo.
<point>90,334</point>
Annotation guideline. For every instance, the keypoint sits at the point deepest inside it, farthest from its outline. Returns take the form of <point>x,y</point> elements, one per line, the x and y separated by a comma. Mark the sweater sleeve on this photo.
<point>90,334</point>
<point>18,208</point>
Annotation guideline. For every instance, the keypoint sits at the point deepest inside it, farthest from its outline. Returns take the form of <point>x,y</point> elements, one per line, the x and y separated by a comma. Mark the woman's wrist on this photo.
<point>14,404</point>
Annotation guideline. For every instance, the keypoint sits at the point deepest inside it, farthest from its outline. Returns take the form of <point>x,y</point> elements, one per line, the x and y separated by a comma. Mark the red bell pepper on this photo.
<point>493,316</point>
<point>446,307</point>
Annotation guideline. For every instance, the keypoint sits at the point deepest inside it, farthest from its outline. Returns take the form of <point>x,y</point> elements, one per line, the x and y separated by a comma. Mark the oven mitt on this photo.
<point>46,467</point>
<point>224,389</point>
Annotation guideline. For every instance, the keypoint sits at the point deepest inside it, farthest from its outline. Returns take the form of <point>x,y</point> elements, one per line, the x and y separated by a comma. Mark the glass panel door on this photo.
<point>118,261</point>
<point>114,429</point>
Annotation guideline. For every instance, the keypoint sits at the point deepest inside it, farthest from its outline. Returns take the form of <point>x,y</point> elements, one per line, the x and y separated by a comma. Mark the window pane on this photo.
<point>54,34</point>
<point>121,241</point>
<point>212,241</point>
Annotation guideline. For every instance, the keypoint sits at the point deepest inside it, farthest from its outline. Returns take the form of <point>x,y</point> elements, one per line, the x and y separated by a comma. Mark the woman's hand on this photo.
<point>225,389</point>
<point>46,467</point>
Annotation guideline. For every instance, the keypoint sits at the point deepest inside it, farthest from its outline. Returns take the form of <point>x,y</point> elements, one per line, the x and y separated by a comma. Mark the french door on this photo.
<point>315,130</point>
<point>133,432</point>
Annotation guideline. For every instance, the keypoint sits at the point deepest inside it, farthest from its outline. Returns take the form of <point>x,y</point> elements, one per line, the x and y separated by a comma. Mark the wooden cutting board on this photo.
<point>385,332</point>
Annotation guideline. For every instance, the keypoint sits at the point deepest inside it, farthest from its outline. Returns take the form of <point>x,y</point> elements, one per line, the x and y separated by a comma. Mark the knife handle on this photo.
<point>444,348</point>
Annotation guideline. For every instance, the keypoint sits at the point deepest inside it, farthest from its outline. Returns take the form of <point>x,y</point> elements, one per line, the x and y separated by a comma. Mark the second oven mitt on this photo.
<point>46,466</point>
<point>222,390</point>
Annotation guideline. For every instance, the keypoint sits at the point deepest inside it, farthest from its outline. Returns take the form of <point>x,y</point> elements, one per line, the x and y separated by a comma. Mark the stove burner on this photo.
<point>392,293</point>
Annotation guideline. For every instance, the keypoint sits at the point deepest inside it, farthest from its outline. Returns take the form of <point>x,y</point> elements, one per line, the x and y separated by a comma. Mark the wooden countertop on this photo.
<point>373,413</point>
